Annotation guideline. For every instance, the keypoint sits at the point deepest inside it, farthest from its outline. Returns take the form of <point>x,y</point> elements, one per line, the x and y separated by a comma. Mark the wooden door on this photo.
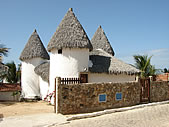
<point>145,90</point>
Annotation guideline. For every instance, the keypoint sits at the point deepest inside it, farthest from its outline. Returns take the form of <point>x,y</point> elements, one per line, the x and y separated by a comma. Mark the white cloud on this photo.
<point>160,57</point>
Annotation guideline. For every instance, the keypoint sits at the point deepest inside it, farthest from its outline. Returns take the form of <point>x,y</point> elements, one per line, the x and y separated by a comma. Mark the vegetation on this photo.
<point>143,64</point>
<point>3,50</point>
<point>13,74</point>
<point>166,71</point>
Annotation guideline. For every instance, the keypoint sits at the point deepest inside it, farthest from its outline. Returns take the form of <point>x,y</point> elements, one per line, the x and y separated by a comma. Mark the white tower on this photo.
<point>69,49</point>
<point>32,55</point>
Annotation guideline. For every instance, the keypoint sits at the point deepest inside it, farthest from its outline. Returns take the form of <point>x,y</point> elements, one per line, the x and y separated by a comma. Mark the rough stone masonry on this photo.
<point>90,97</point>
<point>79,98</point>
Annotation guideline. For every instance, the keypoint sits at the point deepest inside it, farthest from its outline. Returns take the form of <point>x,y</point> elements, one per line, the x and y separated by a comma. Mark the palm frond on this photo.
<point>13,75</point>
<point>143,63</point>
<point>3,50</point>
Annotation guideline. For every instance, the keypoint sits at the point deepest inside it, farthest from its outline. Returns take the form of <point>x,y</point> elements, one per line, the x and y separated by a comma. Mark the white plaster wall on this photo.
<point>103,77</point>
<point>29,79</point>
<point>7,96</point>
<point>44,88</point>
<point>68,64</point>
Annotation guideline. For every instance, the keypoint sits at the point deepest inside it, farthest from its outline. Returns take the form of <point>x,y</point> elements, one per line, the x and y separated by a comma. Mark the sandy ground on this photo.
<point>24,108</point>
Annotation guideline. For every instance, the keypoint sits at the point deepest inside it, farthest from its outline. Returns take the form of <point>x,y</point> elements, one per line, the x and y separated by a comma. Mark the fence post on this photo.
<point>57,83</point>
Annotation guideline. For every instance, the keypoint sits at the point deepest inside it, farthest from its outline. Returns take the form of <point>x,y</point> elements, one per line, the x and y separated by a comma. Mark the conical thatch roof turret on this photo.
<point>34,48</point>
<point>69,34</point>
<point>100,41</point>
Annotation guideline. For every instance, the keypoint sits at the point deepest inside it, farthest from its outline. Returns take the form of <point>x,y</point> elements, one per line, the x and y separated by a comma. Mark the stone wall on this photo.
<point>81,98</point>
<point>159,91</point>
<point>8,96</point>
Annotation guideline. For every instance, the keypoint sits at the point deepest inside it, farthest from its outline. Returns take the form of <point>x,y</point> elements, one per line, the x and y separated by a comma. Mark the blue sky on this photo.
<point>132,26</point>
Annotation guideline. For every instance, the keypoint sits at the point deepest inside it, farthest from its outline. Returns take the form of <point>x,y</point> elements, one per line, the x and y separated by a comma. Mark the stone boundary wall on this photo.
<point>8,96</point>
<point>80,98</point>
<point>159,91</point>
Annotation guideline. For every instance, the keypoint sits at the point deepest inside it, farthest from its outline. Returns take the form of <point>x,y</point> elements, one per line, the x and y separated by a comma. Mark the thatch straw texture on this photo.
<point>34,48</point>
<point>69,34</point>
<point>43,70</point>
<point>100,41</point>
<point>106,63</point>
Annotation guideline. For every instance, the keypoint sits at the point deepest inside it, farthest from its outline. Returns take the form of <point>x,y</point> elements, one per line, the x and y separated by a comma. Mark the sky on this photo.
<point>132,26</point>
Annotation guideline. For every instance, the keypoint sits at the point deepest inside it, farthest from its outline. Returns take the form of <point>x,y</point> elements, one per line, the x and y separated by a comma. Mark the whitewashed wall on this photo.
<point>29,79</point>
<point>44,88</point>
<point>103,77</point>
<point>68,64</point>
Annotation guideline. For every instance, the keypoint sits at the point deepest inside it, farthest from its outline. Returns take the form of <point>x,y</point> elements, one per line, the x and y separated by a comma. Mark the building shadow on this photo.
<point>7,103</point>
<point>100,64</point>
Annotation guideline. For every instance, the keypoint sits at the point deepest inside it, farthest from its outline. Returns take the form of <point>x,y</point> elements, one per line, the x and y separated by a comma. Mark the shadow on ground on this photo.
<point>7,103</point>
<point>1,117</point>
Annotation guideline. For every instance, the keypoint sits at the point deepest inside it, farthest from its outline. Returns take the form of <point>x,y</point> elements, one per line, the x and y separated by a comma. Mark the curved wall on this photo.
<point>29,79</point>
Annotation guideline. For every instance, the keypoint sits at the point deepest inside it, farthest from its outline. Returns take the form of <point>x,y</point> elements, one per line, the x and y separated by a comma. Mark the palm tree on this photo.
<point>13,74</point>
<point>3,50</point>
<point>166,71</point>
<point>143,64</point>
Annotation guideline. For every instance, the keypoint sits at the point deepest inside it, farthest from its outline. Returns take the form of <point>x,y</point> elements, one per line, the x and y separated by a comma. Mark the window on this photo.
<point>102,97</point>
<point>60,51</point>
<point>118,96</point>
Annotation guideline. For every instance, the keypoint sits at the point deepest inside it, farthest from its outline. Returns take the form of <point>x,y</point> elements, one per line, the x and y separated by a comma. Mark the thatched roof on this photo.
<point>34,48</point>
<point>100,41</point>
<point>43,70</point>
<point>69,34</point>
<point>106,63</point>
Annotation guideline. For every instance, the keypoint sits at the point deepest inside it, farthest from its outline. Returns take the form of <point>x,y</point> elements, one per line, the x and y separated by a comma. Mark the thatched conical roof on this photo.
<point>100,41</point>
<point>103,62</point>
<point>34,48</point>
<point>43,70</point>
<point>69,34</point>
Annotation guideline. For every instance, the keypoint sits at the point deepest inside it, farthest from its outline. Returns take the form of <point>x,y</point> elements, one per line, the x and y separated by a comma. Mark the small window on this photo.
<point>118,96</point>
<point>60,51</point>
<point>102,97</point>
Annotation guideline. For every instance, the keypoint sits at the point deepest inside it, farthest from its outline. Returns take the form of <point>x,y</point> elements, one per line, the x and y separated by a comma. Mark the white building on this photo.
<point>32,55</point>
<point>73,55</point>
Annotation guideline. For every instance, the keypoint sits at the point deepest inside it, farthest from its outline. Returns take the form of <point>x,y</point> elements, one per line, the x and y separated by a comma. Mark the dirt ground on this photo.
<point>24,108</point>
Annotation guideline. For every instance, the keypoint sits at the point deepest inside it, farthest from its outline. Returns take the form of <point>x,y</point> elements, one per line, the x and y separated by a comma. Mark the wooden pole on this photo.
<point>55,98</point>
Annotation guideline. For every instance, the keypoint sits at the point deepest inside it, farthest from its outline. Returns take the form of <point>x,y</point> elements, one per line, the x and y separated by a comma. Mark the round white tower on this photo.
<point>33,54</point>
<point>69,49</point>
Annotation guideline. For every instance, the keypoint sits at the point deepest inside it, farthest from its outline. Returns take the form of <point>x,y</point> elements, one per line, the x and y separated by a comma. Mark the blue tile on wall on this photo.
<point>118,96</point>
<point>102,97</point>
